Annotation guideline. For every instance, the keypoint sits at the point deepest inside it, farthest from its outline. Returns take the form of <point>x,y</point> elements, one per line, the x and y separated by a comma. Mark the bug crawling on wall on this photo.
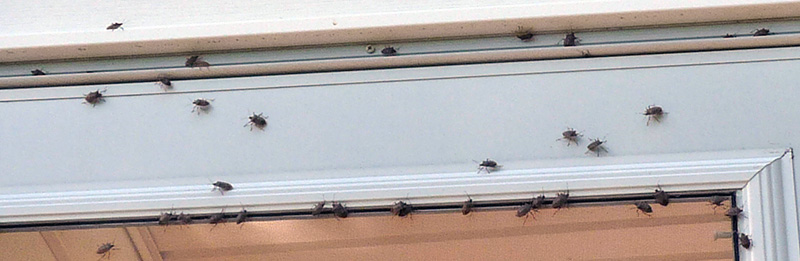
<point>525,211</point>
<point>488,165</point>
<point>645,208</point>
<point>466,208</point>
<point>596,146</point>
<point>241,217</point>
<point>570,135</point>
<point>570,40</point>
<point>761,32</point>
<point>654,112</point>
<point>184,219</point>
<point>164,83</point>
<point>537,202</point>
<point>319,208</point>
<point>389,51</point>
<point>196,61</point>
<point>734,212</point>
<point>105,250</point>
<point>222,186</point>
<point>115,26</point>
<point>402,209</point>
<point>94,97</point>
<point>340,210</point>
<point>561,200</point>
<point>523,34</point>
<point>201,104</point>
<point>662,198</point>
<point>165,218</point>
<point>38,72</point>
<point>257,120</point>
<point>745,241</point>
<point>216,219</point>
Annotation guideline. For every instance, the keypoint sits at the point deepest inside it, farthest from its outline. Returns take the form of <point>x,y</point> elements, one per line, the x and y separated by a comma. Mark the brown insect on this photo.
<point>466,208</point>
<point>729,36</point>
<point>653,112</point>
<point>644,208</point>
<point>37,72</point>
<point>488,165</point>
<point>196,61</point>
<point>525,35</point>
<point>165,218</point>
<point>562,199</point>
<point>216,219</point>
<point>402,209</point>
<point>745,241</point>
<point>761,32</point>
<point>222,186</point>
<point>105,250</point>
<point>734,212</point>
<point>94,97</point>
<point>596,146</point>
<point>165,83</point>
<point>201,104</point>
<point>537,202</point>
<point>115,26</point>
<point>257,120</point>
<point>571,40</point>
<point>318,208</point>
<point>241,217</point>
<point>389,51</point>
<point>570,135</point>
<point>525,211</point>
<point>661,196</point>
<point>717,201</point>
<point>184,219</point>
<point>339,210</point>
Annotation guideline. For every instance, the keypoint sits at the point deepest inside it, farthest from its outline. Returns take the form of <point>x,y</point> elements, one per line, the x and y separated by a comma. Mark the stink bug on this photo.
<point>745,241</point>
<point>115,26</point>
<point>466,208</point>
<point>196,61</point>
<point>201,104</point>
<point>318,208</point>
<point>488,165</point>
<point>105,250</point>
<point>734,212</point>
<point>561,201</point>
<point>241,217</point>
<point>165,83</point>
<point>216,219</point>
<point>185,219</point>
<point>571,40</point>
<point>165,218</point>
<point>339,210</point>
<point>222,186</point>
<point>389,51</point>
<point>537,202</point>
<point>653,112</point>
<point>661,196</point>
<point>94,97</point>
<point>644,208</point>
<point>596,146</point>
<point>761,32</point>
<point>525,211</point>
<point>257,120</point>
<point>717,201</point>
<point>523,34</point>
<point>402,209</point>
<point>570,135</point>
<point>37,72</point>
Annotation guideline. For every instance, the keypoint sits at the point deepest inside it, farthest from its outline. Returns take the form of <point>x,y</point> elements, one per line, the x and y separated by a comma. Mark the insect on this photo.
<point>734,212</point>
<point>761,32</point>
<point>115,26</point>
<point>596,146</point>
<point>37,72</point>
<point>185,219</point>
<point>95,97</point>
<point>661,196</point>
<point>523,34</point>
<point>318,208</point>
<point>216,219</point>
<point>571,40</point>
<point>561,201</point>
<point>466,208</point>
<point>488,165</point>
<point>653,112</point>
<point>525,211</point>
<point>165,218</point>
<point>729,36</point>
<point>222,186</point>
<point>717,201</point>
<point>257,120</point>
<point>402,209</point>
<point>165,83</point>
<point>241,217</point>
<point>201,104</point>
<point>389,51</point>
<point>745,241</point>
<point>570,135</point>
<point>537,202</point>
<point>339,210</point>
<point>644,208</point>
<point>196,61</point>
<point>105,250</point>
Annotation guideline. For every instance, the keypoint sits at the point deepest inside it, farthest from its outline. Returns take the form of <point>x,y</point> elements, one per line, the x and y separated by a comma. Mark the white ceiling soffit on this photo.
<point>379,26</point>
<point>584,177</point>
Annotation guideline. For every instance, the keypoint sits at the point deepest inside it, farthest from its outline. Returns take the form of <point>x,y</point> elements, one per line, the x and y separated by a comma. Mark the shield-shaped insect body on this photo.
<point>257,120</point>
<point>734,212</point>
<point>115,26</point>
<point>241,217</point>
<point>389,51</point>
<point>201,104</point>
<point>561,200</point>
<point>596,146</point>
<point>571,40</point>
<point>662,198</point>
<point>402,209</point>
<point>523,34</point>
<point>184,219</point>
<point>761,32</point>
<point>644,208</point>
<point>38,72</point>
<point>488,165</point>
<point>222,186</point>
<point>745,241</point>
<point>94,97</point>
<point>164,83</point>
<point>340,210</point>
<point>654,112</point>
<point>318,208</point>
<point>571,135</point>
<point>466,208</point>
<point>165,218</point>
<point>105,249</point>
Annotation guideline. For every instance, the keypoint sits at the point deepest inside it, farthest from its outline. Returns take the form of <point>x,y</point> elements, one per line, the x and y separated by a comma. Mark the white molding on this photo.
<point>770,217</point>
<point>585,177</point>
